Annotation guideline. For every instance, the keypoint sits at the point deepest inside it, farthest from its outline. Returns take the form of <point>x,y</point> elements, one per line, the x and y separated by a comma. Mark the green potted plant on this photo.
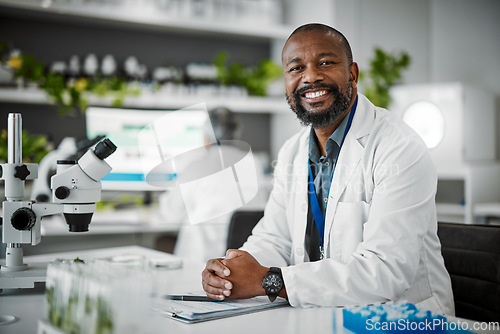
<point>256,79</point>
<point>384,71</point>
<point>34,147</point>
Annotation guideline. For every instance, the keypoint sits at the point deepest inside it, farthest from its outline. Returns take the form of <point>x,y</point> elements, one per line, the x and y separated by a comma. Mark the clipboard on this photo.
<point>191,312</point>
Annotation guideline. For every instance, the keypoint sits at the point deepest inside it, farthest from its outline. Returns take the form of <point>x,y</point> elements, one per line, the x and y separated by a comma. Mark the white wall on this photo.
<point>298,12</point>
<point>465,45</point>
<point>393,25</point>
<point>465,42</point>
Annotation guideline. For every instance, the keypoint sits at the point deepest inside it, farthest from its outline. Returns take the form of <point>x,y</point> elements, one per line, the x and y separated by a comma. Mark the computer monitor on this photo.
<point>181,131</point>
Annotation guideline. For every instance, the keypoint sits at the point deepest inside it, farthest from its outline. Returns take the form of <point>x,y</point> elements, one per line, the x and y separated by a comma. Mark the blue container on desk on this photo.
<point>392,318</point>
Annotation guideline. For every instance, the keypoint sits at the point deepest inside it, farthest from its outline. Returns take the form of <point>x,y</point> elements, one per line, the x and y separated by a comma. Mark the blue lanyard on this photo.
<point>315,208</point>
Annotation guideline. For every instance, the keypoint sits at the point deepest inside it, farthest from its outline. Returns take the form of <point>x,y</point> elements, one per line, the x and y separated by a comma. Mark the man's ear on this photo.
<point>354,74</point>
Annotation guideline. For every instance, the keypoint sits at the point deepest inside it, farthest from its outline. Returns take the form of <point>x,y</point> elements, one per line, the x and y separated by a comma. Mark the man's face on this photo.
<point>319,81</point>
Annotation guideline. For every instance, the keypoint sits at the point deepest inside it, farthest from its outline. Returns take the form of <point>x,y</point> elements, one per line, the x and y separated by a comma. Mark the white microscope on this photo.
<point>76,188</point>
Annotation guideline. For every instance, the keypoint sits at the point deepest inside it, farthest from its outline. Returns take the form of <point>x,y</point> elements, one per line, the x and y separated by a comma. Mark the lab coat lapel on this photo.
<point>349,159</point>
<point>301,199</point>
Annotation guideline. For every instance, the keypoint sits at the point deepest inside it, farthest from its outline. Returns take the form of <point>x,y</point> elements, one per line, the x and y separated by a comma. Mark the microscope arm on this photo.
<point>46,209</point>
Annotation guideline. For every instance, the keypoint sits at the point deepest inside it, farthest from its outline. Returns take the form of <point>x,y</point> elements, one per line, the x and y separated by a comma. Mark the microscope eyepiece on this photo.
<point>104,149</point>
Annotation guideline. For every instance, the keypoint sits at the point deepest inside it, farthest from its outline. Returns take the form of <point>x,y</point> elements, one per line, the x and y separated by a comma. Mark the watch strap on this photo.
<point>275,270</point>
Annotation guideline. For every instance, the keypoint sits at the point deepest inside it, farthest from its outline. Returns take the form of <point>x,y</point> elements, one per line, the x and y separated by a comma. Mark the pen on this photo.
<point>190,298</point>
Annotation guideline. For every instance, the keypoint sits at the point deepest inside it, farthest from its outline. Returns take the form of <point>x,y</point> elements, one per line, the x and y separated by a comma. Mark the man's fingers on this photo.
<point>217,267</point>
<point>216,293</point>
<point>214,284</point>
<point>215,281</point>
<point>216,297</point>
<point>212,280</point>
<point>232,253</point>
<point>215,287</point>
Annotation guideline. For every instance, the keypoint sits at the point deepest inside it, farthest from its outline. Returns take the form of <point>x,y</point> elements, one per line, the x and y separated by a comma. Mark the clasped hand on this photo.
<point>238,275</point>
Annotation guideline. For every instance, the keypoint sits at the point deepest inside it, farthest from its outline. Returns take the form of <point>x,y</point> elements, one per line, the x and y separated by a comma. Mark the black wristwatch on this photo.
<point>273,283</point>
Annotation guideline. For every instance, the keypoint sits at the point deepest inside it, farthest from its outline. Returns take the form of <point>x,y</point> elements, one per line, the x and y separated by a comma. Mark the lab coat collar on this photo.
<point>363,119</point>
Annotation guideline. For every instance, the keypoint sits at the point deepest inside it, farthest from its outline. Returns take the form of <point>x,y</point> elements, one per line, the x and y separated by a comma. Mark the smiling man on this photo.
<point>351,219</point>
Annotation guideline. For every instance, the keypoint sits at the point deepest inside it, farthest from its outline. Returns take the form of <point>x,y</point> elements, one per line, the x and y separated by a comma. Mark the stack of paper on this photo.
<point>194,311</point>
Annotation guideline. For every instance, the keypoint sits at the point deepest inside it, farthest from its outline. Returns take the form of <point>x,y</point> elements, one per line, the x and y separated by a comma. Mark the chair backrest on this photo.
<point>472,257</point>
<point>241,226</point>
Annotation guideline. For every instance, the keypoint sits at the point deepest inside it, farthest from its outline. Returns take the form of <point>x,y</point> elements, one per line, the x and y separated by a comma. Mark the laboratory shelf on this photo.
<point>137,17</point>
<point>250,104</point>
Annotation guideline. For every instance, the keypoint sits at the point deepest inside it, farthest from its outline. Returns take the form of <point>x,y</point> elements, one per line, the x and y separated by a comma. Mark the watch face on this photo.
<point>272,283</point>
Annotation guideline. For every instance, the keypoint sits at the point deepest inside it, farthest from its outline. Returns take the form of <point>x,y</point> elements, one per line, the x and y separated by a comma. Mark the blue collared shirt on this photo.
<point>322,168</point>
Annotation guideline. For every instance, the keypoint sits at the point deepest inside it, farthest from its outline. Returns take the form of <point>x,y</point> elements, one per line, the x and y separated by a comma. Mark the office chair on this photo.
<point>472,257</point>
<point>240,227</point>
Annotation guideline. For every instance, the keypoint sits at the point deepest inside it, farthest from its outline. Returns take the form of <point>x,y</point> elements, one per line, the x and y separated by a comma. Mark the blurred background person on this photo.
<point>200,241</point>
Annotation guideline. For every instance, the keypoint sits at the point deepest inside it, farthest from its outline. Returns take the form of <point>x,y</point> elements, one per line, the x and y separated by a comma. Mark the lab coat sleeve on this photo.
<point>270,242</point>
<point>384,264</point>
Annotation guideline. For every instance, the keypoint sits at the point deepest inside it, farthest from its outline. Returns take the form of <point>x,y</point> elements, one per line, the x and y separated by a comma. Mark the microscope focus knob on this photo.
<point>23,219</point>
<point>21,172</point>
<point>62,192</point>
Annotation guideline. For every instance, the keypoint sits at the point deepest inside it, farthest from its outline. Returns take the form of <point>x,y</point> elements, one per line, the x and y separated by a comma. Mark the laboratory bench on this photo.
<point>27,305</point>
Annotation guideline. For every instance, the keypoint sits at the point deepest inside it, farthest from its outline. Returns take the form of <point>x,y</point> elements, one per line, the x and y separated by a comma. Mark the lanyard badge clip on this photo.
<point>321,252</point>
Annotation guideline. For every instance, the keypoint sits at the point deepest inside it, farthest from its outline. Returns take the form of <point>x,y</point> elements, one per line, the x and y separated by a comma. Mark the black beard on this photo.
<point>323,118</point>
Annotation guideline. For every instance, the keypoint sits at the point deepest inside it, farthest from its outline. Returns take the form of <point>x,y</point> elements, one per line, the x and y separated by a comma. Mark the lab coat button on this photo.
<point>304,207</point>
<point>299,251</point>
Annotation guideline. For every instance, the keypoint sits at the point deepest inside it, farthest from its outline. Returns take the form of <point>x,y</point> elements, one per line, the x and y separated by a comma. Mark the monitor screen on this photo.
<point>175,132</point>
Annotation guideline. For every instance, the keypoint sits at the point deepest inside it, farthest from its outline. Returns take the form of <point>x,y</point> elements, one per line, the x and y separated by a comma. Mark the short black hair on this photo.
<point>327,29</point>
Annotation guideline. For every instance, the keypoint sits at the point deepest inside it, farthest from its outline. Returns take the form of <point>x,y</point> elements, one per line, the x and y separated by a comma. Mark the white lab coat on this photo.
<point>380,229</point>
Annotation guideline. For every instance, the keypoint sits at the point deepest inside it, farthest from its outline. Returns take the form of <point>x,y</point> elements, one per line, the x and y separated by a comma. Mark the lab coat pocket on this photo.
<point>347,230</point>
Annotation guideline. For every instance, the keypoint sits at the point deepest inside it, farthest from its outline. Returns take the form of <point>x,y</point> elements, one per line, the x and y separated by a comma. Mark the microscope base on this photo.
<point>36,273</point>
